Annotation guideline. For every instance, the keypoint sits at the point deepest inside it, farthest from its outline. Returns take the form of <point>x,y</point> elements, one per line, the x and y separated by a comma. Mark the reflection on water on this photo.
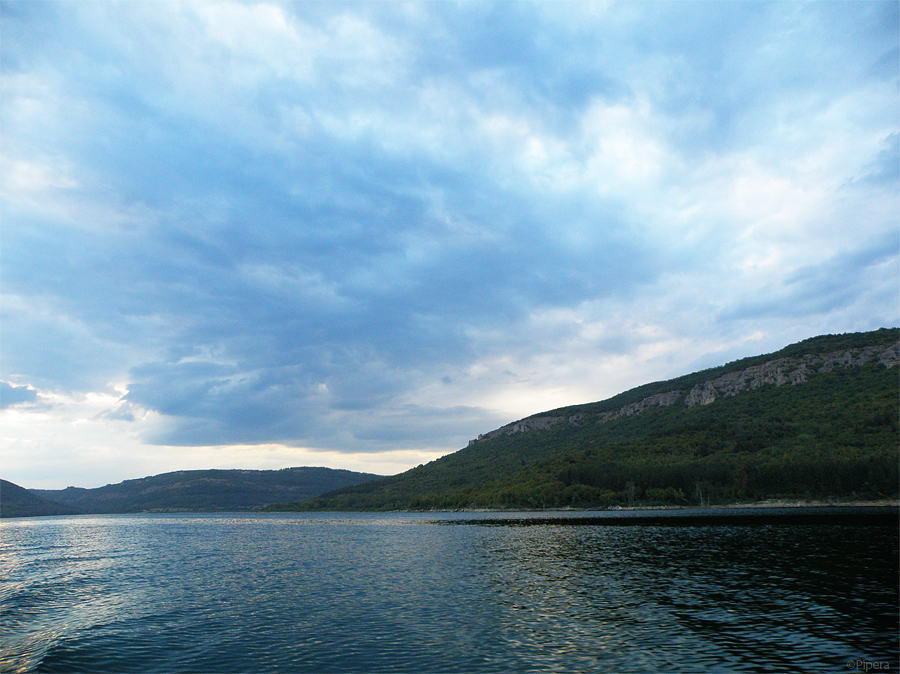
<point>387,593</point>
<point>733,598</point>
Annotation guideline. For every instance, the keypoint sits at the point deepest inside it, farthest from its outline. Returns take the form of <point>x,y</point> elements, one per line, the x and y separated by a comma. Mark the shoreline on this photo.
<point>771,503</point>
<point>861,513</point>
<point>775,503</point>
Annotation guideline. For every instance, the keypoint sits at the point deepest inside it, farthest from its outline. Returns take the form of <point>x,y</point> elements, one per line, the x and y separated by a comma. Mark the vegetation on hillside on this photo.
<point>833,437</point>
<point>206,490</point>
<point>16,501</point>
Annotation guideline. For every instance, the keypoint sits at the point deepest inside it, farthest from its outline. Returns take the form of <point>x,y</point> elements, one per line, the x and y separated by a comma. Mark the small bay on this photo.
<point>404,592</point>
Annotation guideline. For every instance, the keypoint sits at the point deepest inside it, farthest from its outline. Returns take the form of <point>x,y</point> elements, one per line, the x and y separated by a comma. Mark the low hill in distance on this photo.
<point>16,501</point>
<point>204,490</point>
<point>815,420</point>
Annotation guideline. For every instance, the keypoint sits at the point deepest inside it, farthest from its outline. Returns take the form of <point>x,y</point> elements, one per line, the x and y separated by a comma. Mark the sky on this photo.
<point>357,235</point>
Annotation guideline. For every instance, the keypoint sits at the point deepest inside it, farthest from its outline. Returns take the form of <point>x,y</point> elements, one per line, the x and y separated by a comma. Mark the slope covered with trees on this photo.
<point>16,501</point>
<point>205,490</point>
<point>816,420</point>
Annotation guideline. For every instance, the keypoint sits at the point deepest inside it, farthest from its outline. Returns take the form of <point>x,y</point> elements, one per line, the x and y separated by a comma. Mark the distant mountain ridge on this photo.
<point>815,420</point>
<point>204,490</point>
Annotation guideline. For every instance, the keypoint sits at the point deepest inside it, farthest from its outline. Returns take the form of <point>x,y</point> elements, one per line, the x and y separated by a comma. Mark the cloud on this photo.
<point>847,280</point>
<point>15,395</point>
<point>884,171</point>
<point>365,227</point>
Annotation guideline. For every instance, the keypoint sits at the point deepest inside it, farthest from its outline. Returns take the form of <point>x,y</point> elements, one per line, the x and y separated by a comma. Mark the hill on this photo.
<point>817,419</point>
<point>205,490</point>
<point>16,501</point>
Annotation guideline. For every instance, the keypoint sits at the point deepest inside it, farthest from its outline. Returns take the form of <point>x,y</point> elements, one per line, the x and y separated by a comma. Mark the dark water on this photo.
<point>401,593</point>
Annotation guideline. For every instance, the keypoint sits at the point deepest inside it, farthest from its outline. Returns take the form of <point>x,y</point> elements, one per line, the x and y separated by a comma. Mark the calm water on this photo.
<point>402,593</point>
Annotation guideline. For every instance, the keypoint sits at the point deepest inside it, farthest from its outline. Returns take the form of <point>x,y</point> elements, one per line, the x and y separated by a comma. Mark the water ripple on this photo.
<point>389,593</point>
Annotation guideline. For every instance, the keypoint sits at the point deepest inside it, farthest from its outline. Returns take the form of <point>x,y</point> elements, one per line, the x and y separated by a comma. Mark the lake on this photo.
<point>448,592</point>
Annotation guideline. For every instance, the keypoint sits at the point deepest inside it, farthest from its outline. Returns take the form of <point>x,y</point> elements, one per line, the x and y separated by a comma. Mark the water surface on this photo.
<point>404,593</point>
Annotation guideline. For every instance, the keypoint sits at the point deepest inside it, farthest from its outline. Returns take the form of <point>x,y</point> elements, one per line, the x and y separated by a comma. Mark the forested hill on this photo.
<point>16,501</point>
<point>205,490</point>
<point>815,420</point>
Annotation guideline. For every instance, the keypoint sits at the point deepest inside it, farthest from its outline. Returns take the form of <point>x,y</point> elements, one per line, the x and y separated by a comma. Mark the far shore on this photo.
<point>775,503</point>
<point>772,503</point>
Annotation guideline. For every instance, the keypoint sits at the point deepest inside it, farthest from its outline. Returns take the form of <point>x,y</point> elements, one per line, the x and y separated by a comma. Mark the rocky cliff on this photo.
<point>777,372</point>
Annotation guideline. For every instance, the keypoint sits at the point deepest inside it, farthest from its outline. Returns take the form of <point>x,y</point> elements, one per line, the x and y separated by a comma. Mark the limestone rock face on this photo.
<point>792,371</point>
<point>532,424</point>
<point>776,372</point>
<point>656,400</point>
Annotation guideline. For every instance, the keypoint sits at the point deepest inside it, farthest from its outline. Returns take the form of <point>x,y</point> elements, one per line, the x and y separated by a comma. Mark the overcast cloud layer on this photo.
<point>358,234</point>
